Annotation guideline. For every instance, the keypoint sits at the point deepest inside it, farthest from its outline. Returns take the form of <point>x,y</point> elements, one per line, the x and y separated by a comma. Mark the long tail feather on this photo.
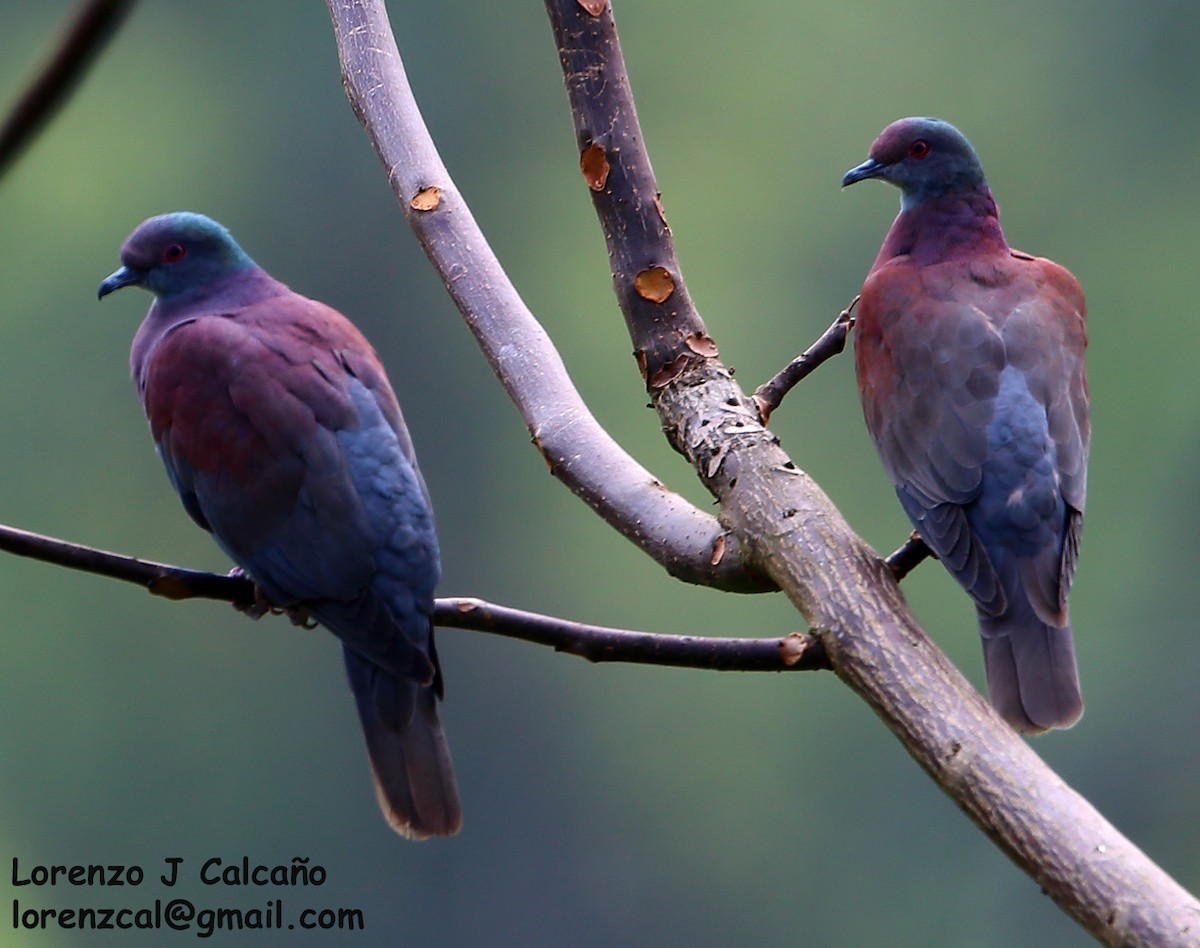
<point>410,759</point>
<point>1031,673</point>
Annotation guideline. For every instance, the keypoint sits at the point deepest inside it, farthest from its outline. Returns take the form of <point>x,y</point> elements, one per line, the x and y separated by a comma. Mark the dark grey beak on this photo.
<point>126,276</point>
<point>868,169</point>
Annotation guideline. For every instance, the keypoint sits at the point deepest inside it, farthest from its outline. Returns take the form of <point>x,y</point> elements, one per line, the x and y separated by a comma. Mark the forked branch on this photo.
<point>690,543</point>
<point>1094,873</point>
<point>783,520</point>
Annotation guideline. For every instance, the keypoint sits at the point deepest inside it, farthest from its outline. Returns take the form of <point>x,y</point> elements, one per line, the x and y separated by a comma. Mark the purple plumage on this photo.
<point>281,434</point>
<point>970,364</point>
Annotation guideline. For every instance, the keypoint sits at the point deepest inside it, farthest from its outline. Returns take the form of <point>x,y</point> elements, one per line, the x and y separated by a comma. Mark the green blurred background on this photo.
<point>604,805</point>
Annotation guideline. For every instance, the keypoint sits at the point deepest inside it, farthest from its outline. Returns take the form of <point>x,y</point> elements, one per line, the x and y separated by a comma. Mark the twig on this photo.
<point>831,342</point>
<point>172,582</point>
<point>91,28</point>
<point>690,543</point>
<point>908,556</point>
<point>794,652</point>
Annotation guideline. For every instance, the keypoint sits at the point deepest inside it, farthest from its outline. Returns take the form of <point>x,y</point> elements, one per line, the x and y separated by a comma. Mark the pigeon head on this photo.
<point>178,257</point>
<point>925,158</point>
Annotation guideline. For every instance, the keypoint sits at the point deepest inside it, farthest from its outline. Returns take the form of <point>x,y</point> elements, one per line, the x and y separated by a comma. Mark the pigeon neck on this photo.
<point>948,227</point>
<point>247,288</point>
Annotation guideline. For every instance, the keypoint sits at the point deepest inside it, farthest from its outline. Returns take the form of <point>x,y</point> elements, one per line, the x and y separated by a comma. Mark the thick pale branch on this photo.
<point>690,543</point>
<point>841,585</point>
<point>793,652</point>
<point>89,30</point>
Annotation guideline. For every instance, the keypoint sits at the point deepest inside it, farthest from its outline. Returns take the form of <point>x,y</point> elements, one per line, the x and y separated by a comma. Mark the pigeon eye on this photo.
<point>173,252</point>
<point>919,149</point>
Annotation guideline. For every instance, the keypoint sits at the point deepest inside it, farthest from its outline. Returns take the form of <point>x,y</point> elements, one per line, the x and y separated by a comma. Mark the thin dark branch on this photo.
<point>690,543</point>
<point>908,556</point>
<point>172,582</point>
<point>794,652</point>
<point>873,641</point>
<point>663,323</point>
<point>90,29</point>
<point>832,342</point>
<point>799,651</point>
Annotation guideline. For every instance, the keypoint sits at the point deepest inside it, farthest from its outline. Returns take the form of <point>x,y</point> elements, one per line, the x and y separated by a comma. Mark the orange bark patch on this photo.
<point>427,199</point>
<point>702,344</point>
<point>654,284</point>
<point>792,648</point>
<point>662,214</point>
<point>594,165</point>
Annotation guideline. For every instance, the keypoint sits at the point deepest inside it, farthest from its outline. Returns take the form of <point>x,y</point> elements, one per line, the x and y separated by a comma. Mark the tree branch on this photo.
<point>911,553</point>
<point>831,342</point>
<point>171,582</point>
<point>794,652</point>
<point>91,28</point>
<point>1094,873</point>
<point>691,544</point>
<point>667,332</point>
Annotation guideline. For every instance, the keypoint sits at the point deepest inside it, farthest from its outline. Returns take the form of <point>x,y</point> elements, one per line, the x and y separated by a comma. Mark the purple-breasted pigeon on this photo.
<point>283,438</point>
<point>969,357</point>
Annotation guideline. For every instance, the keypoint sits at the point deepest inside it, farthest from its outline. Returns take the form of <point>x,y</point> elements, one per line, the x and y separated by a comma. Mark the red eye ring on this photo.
<point>919,149</point>
<point>173,253</point>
